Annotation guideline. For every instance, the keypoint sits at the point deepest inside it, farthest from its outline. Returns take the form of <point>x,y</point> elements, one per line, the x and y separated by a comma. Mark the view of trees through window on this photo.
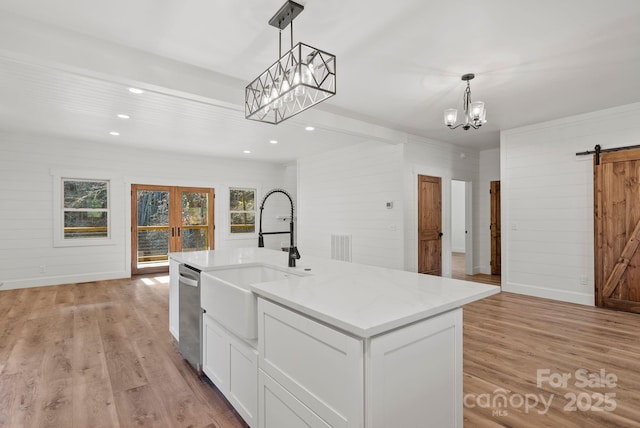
<point>194,220</point>
<point>86,208</point>
<point>242,209</point>
<point>153,225</point>
<point>169,219</point>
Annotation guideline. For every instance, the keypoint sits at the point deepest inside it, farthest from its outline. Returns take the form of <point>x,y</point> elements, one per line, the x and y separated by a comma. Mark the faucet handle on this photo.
<point>293,252</point>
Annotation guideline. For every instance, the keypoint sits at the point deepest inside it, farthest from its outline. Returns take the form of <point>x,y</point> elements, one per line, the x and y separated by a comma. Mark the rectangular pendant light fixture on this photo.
<point>301,78</point>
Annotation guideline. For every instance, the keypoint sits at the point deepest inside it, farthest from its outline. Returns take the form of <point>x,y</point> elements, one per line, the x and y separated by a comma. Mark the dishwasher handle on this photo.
<point>188,281</point>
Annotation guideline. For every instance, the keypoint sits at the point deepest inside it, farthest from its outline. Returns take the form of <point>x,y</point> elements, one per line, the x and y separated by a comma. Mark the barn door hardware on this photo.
<point>597,150</point>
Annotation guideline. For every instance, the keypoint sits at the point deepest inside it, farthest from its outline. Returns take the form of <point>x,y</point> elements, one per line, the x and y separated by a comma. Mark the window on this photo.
<point>85,209</point>
<point>242,210</point>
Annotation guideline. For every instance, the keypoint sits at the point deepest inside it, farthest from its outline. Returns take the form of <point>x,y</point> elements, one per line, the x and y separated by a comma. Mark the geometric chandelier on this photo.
<point>474,112</point>
<point>301,78</point>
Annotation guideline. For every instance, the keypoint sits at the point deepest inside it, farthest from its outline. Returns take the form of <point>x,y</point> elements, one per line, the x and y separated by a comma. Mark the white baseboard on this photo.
<point>549,293</point>
<point>62,279</point>
<point>482,269</point>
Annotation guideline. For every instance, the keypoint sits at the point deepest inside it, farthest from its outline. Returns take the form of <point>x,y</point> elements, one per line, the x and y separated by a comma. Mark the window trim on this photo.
<point>59,240</point>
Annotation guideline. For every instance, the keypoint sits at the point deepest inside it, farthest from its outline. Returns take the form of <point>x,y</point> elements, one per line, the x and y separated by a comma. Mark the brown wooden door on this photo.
<point>496,240</point>
<point>167,219</point>
<point>617,230</point>
<point>429,225</point>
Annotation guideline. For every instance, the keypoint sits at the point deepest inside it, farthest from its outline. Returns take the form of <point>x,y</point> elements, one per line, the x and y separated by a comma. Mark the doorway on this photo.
<point>461,229</point>
<point>617,230</point>
<point>168,219</point>
<point>430,225</point>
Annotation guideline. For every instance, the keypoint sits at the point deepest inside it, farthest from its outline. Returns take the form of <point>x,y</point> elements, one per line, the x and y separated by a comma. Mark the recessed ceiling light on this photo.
<point>136,91</point>
<point>123,116</point>
<point>273,141</point>
<point>114,133</point>
<point>309,128</point>
<point>246,152</point>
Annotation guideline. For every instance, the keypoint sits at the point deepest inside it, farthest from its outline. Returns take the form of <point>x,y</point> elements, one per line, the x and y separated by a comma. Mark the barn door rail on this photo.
<point>598,150</point>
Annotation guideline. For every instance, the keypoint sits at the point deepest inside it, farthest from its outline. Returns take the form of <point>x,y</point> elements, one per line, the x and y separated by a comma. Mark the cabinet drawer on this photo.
<point>280,409</point>
<point>322,367</point>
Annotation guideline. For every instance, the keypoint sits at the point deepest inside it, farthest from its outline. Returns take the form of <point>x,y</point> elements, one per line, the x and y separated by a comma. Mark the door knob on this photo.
<point>440,235</point>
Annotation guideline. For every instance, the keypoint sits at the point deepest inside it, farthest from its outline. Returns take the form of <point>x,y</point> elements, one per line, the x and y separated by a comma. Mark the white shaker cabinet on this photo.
<point>280,409</point>
<point>232,365</point>
<point>314,375</point>
<point>318,365</point>
<point>174,295</point>
<point>415,375</point>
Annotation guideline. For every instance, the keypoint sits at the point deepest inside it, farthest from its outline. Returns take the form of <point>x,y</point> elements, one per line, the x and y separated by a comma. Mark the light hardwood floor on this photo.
<point>458,272</point>
<point>100,355</point>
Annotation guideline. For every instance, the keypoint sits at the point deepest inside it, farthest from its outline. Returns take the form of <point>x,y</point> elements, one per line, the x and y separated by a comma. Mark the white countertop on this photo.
<point>362,300</point>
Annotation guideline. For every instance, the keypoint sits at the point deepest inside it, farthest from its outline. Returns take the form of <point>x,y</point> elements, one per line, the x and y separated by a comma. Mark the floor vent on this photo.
<point>341,247</point>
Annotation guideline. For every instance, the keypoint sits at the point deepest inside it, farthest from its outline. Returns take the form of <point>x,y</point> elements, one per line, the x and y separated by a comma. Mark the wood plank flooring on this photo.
<point>508,338</point>
<point>100,355</point>
<point>458,272</point>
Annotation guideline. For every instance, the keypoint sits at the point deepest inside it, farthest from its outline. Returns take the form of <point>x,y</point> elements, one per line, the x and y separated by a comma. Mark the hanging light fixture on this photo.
<point>474,112</point>
<point>301,78</point>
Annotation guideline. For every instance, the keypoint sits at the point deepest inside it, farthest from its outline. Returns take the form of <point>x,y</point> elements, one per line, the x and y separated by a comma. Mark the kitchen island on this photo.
<point>338,344</point>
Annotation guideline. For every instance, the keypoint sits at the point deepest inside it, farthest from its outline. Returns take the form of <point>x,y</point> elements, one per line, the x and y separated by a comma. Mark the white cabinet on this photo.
<point>280,409</point>
<point>232,365</point>
<point>174,295</point>
<point>415,375</point>
<point>318,365</point>
<point>215,353</point>
<point>314,375</point>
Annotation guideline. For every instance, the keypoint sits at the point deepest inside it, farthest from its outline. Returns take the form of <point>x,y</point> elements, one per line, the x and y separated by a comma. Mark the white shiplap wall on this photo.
<point>547,201</point>
<point>27,255</point>
<point>344,192</point>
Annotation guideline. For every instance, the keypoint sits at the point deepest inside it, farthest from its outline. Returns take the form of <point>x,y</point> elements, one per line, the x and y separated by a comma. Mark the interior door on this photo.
<point>168,219</point>
<point>617,230</point>
<point>430,225</point>
<point>496,240</point>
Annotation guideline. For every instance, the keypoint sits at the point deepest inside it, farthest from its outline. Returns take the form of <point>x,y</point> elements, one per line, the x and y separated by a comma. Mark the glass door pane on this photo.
<point>152,228</point>
<point>195,216</point>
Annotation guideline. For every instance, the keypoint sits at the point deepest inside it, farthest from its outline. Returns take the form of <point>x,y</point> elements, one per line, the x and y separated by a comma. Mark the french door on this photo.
<point>168,219</point>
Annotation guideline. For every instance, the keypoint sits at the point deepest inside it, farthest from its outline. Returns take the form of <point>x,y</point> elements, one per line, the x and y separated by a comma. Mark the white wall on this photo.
<point>489,171</point>
<point>428,157</point>
<point>458,216</point>
<point>547,201</point>
<point>344,192</point>
<point>26,210</point>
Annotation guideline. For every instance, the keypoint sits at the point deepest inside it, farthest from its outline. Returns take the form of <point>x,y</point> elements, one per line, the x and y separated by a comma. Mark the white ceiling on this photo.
<point>398,65</point>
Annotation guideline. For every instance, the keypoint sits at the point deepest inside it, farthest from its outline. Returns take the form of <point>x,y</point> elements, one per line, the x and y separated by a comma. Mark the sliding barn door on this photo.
<point>617,230</point>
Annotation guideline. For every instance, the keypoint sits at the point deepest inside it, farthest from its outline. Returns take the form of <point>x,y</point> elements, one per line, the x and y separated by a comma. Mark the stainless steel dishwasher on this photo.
<point>190,316</point>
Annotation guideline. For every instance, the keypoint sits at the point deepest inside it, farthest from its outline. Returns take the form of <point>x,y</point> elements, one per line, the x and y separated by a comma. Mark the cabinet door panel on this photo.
<point>280,409</point>
<point>414,378</point>
<point>174,299</point>
<point>243,379</point>
<point>292,347</point>
<point>215,349</point>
